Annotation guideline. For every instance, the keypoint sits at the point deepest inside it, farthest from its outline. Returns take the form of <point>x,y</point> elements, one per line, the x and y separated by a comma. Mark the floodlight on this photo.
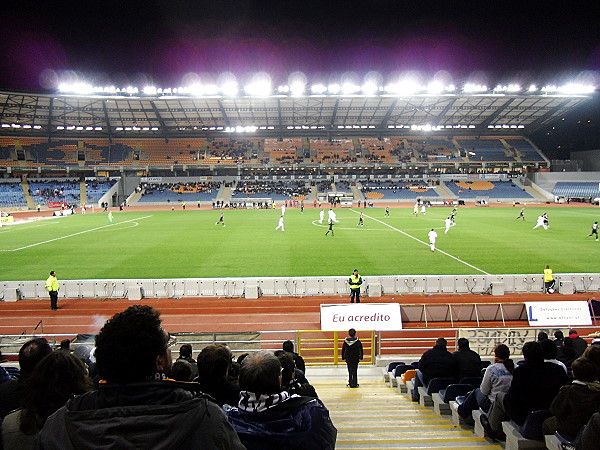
<point>27,126</point>
<point>89,128</point>
<point>471,88</point>
<point>318,89</point>
<point>58,127</point>
<point>575,89</point>
<point>37,127</point>
<point>369,88</point>
<point>532,88</point>
<point>349,88</point>
<point>154,128</point>
<point>98,128</point>
<point>119,129</point>
<point>5,125</point>
<point>150,90</point>
<point>435,87</point>
<point>297,88</point>
<point>334,88</point>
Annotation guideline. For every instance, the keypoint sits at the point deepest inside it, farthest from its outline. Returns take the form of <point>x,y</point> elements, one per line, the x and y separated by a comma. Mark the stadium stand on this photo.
<point>178,192</point>
<point>95,190</point>
<point>283,151</point>
<point>335,151</point>
<point>485,149</point>
<point>66,191</point>
<point>12,196</point>
<point>577,190</point>
<point>495,189</point>
<point>277,191</point>
<point>403,190</point>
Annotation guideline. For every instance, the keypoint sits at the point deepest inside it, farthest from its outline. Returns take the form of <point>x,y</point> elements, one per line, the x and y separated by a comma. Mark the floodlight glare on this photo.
<point>261,88</point>
<point>149,90</point>
<point>575,89</point>
<point>435,87</point>
<point>318,89</point>
<point>229,89</point>
<point>297,88</point>
<point>369,88</point>
<point>350,88</point>
<point>532,88</point>
<point>334,88</point>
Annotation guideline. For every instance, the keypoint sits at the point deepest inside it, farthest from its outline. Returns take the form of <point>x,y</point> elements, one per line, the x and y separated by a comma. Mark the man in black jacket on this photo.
<point>469,362</point>
<point>436,362</point>
<point>352,353</point>
<point>269,418</point>
<point>137,406</point>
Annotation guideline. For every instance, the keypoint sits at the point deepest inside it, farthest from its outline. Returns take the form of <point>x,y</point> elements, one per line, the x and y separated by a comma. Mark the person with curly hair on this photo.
<point>54,380</point>
<point>137,405</point>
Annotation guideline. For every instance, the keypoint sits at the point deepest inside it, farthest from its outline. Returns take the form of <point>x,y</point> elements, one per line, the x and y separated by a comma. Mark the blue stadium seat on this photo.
<point>454,390</point>
<point>532,428</point>
<point>435,384</point>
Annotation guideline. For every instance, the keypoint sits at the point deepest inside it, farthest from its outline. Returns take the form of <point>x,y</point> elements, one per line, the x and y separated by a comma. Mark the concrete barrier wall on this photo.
<point>136,289</point>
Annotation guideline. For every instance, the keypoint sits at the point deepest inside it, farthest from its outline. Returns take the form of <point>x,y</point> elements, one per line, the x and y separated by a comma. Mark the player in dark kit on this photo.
<point>330,228</point>
<point>521,214</point>
<point>594,230</point>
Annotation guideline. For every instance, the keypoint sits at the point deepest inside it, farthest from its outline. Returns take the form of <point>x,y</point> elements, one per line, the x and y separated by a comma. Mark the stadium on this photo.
<point>171,196</point>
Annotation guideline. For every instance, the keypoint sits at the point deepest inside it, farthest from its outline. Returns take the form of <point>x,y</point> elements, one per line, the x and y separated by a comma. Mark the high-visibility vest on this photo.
<point>355,281</point>
<point>52,283</point>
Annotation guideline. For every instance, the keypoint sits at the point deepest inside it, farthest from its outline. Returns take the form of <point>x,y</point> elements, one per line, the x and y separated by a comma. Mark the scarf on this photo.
<point>250,403</point>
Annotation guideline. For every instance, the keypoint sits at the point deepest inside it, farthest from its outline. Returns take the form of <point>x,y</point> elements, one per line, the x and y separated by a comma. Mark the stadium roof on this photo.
<point>138,116</point>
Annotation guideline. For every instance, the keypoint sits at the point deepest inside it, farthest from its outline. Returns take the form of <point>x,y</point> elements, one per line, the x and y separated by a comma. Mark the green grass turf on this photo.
<point>188,244</point>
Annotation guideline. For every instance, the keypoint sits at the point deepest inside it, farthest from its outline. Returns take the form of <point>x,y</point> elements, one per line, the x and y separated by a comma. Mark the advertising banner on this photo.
<point>361,316</point>
<point>566,314</point>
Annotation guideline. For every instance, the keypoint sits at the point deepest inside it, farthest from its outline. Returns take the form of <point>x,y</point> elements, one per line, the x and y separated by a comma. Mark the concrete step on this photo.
<point>374,416</point>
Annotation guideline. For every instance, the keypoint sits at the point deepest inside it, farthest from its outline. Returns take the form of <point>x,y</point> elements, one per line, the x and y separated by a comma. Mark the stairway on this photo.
<point>375,416</point>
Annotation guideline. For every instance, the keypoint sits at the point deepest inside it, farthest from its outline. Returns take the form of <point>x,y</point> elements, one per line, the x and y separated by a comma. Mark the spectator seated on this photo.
<point>64,191</point>
<point>179,192</point>
<point>278,191</point>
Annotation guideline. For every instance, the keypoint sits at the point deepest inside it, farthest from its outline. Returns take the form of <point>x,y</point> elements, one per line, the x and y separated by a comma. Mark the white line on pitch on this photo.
<point>425,243</point>
<point>74,234</point>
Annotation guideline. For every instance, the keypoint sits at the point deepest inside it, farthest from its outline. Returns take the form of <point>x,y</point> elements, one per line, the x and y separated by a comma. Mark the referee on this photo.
<point>355,281</point>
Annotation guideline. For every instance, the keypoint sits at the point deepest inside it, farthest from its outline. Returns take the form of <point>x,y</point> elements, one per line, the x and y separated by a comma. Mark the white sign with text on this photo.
<point>546,314</point>
<point>361,316</point>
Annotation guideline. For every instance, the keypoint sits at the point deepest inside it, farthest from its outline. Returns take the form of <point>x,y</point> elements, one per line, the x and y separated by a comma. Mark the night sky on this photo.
<point>170,42</point>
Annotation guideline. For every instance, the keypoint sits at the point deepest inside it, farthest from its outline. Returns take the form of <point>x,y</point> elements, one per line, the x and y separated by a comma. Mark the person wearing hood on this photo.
<point>579,344</point>
<point>576,402</point>
<point>352,353</point>
<point>137,405</point>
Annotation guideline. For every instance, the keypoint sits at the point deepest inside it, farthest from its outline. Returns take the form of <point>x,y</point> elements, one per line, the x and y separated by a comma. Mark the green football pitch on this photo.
<point>188,244</point>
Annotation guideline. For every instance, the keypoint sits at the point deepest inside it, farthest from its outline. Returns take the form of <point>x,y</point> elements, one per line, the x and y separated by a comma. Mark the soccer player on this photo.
<point>432,237</point>
<point>321,216</point>
<point>449,224</point>
<point>330,228</point>
<point>416,209</point>
<point>387,211</point>
<point>540,223</point>
<point>110,217</point>
<point>331,215</point>
<point>521,214</point>
<point>280,224</point>
<point>361,222</point>
<point>302,207</point>
<point>283,209</point>
<point>452,214</point>
<point>423,209</point>
<point>221,219</point>
<point>594,230</point>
